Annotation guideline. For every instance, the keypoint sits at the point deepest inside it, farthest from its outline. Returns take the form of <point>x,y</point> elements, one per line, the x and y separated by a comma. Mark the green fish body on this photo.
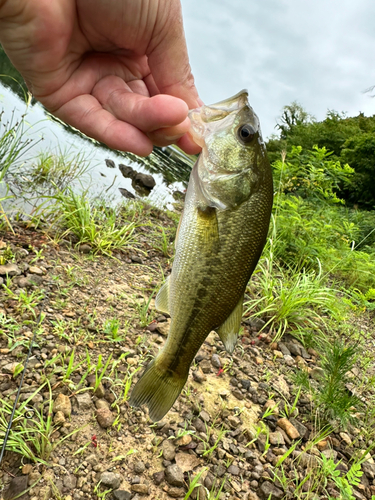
<point>221,236</point>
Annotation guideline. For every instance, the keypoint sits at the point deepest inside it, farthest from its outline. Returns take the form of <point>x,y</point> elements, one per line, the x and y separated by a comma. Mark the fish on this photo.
<point>220,237</point>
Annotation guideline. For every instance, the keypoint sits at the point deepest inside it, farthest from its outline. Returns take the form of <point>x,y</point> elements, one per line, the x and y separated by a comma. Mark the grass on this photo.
<point>105,230</point>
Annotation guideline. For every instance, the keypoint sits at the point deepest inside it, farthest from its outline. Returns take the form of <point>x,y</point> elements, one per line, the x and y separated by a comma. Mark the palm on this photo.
<point>97,69</point>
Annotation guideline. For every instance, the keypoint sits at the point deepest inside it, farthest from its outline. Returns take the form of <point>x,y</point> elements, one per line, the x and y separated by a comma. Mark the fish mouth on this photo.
<point>200,118</point>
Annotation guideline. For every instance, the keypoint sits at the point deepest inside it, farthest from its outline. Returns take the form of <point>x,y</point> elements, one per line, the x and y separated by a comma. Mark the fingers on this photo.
<point>87,114</point>
<point>146,113</point>
<point>168,58</point>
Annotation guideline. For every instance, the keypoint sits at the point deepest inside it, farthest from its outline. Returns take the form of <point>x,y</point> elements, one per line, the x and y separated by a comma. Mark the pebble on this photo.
<point>199,376</point>
<point>215,361</point>
<point>121,495</point>
<point>205,366</point>
<point>175,492</point>
<point>317,373</point>
<point>70,481</point>
<point>142,489</point>
<point>276,438</point>
<point>158,477</point>
<point>139,467</point>
<point>234,470</point>
<point>168,450</point>
<point>289,428</point>
<point>289,361</point>
<point>187,462</point>
<point>10,270</point>
<point>268,491</point>
<point>346,438</point>
<point>302,430</point>
<point>84,401</point>
<point>105,417</point>
<point>62,403</point>
<point>35,270</point>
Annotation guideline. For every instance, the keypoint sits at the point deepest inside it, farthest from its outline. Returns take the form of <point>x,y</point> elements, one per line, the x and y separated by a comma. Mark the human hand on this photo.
<point>118,71</point>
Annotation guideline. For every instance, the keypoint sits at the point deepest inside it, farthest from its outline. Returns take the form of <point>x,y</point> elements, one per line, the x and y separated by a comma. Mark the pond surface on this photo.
<point>169,167</point>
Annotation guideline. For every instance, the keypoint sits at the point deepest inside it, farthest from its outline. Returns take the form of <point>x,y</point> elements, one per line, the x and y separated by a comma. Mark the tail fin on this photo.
<point>158,389</point>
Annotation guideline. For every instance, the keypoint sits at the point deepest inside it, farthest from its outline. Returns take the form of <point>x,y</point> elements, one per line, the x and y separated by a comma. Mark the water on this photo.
<point>169,167</point>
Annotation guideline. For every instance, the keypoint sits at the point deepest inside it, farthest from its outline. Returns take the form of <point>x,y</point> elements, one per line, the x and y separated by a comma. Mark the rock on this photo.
<point>85,248</point>
<point>186,462</point>
<point>15,488</point>
<point>111,479</point>
<point>105,417</point>
<point>205,366</point>
<point>126,171</point>
<point>10,270</point>
<point>281,385</point>
<point>176,492</point>
<point>99,391</point>
<point>199,425</point>
<point>127,194</point>
<point>84,401</point>
<point>144,181</point>
<point>183,440</point>
<point>11,367</point>
<point>27,468</point>
<point>283,348</point>
<point>121,495</point>
<point>302,430</point>
<point>110,163</point>
<point>271,403</point>
<point>293,348</point>
<point>158,477</point>
<point>288,360</point>
<point>245,383</point>
<point>70,481</point>
<point>204,416</point>
<point>35,270</point>
<point>305,460</point>
<point>369,469</point>
<point>233,421</point>
<point>251,494</point>
<point>215,361</point>
<point>258,360</point>
<point>317,373</point>
<point>139,467</point>
<point>142,489</point>
<point>256,323</point>
<point>163,328</point>
<point>59,418</point>
<point>200,449</point>
<point>62,403</point>
<point>346,438</point>
<point>276,438</point>
<point>238,394</point>
<point>234,470</point>
<point>168,450</point>
<point>268,491</point>
<point>174,475</point>
<point>199,376</point>
<point>289,428</point>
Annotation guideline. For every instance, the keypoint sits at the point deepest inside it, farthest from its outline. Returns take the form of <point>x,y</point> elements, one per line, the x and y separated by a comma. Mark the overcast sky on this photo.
<point>318,53</point>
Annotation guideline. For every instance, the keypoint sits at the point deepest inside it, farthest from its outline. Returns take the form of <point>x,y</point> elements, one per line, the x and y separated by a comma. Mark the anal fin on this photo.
<point>162,298</point>
<point>228,331</point>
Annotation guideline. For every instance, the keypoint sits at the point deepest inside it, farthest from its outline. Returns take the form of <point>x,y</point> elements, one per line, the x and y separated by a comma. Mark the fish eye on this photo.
<point>246,133</point>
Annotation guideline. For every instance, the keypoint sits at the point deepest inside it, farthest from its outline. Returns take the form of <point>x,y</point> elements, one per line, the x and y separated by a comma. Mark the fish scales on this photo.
<point>219,242</point>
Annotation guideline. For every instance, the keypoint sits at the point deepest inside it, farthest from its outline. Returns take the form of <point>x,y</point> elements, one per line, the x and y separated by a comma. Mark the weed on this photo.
<point>142,309</point>
<point>333,396</point>
<point>87,223</point>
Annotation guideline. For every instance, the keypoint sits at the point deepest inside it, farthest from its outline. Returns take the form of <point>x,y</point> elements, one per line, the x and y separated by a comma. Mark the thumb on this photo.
<point>168,57</point>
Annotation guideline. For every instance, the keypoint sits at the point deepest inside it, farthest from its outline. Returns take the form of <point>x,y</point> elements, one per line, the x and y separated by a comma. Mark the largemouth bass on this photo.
<point>220,238</point>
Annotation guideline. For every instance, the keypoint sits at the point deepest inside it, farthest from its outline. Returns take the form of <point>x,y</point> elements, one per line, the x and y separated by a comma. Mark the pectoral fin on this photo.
<point>228,331</point>
<point>162,298</point>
